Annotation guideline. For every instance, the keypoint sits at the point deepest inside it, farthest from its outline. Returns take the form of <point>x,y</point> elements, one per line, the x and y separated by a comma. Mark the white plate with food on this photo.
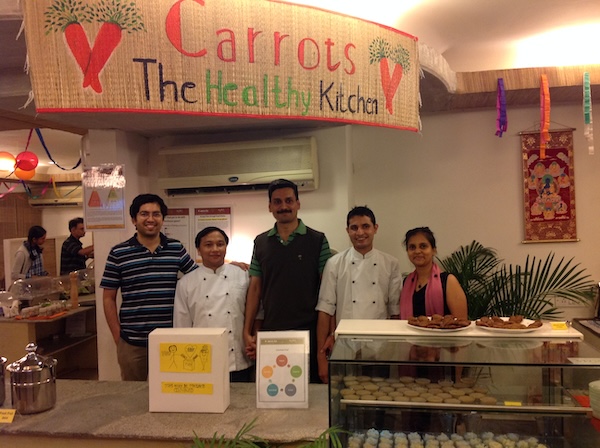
<point>525,322</point>
<point>440,330</point>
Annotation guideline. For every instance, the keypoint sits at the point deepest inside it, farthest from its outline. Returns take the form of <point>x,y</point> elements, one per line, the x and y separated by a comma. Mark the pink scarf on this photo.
<point>434,295</point>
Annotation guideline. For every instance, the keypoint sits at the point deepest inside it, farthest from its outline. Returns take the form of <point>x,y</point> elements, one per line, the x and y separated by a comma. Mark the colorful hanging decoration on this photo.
<point>27,161</point>
<point>7,161</point>
<point>9,189</point>
<point>544,115</point>
<point>39,134</point>
<point>501,118</point>
<point>588,129</point>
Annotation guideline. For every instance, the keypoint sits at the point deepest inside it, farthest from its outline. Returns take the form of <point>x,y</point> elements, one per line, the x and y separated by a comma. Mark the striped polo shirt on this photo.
<point>147,281</point>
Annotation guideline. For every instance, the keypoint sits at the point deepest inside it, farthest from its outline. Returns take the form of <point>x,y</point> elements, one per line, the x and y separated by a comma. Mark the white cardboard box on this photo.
<point>188,370</point>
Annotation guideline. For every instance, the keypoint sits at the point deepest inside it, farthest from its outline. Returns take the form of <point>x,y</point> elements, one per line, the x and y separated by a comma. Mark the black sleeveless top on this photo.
<point>419,298</point>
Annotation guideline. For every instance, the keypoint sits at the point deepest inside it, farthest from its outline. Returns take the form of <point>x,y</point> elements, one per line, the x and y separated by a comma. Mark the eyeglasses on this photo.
<point>148,214</point>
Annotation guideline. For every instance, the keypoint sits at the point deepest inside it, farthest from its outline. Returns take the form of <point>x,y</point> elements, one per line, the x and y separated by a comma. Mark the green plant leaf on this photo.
<point>495,289</point>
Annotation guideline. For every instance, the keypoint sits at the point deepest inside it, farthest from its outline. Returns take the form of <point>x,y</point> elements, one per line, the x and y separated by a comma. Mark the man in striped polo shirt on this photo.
<point>145,268</point>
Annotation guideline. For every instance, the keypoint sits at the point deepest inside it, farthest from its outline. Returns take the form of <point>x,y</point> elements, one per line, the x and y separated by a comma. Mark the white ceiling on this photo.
<point>472,35</point>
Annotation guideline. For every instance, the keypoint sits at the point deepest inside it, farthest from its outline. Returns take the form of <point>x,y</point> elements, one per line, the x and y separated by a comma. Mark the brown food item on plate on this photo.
<point>511,323</point>
<point>447,322</point>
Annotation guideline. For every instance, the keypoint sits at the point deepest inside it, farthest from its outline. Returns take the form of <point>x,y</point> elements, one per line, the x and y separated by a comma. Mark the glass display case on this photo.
<point>475,389</point>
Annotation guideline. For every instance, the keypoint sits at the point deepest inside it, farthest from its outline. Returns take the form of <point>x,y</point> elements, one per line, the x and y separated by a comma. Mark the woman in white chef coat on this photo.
<point>214,295</point>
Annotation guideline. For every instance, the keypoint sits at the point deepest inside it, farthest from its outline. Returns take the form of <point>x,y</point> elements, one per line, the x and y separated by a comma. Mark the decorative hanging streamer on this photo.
<point>39,134</point>
<point>544,115</point>
<point>57,192</point>
<point>7,191</point>
<point>501,118</point>
<point>588,128</point>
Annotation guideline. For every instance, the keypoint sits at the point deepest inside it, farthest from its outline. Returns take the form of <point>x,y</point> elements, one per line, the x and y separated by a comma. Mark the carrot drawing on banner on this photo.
<point>380,51</point>
<point>114,15</point>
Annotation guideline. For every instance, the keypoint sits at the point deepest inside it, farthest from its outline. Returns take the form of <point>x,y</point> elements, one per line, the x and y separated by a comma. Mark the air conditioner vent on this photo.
<point>237,167</point>
<point>63,196</point>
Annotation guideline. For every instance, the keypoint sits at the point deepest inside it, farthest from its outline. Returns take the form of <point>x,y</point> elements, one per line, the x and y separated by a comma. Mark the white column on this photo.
<point>129,150</point>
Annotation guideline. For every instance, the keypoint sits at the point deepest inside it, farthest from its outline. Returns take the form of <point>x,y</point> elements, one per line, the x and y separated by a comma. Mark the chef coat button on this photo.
<point>373,301</point>
<point>205,279</point>
<point>228,312</point>
<point>229,331</point>
<point>231,349</point>
<point>374,264</point>
<point>353,281</point>
<point>354,301</point>
<point>226,293</point>
<point>209,315</point>
<point>207,296</point>
<point>352,262</point>
<point>373,282</point>
<point>225,276</point>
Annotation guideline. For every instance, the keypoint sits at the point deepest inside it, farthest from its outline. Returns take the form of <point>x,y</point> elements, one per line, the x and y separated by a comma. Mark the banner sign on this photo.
<point>238,58</point>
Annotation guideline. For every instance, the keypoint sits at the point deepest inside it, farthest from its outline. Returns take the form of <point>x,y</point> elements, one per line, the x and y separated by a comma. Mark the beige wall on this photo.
<point>456,177</point>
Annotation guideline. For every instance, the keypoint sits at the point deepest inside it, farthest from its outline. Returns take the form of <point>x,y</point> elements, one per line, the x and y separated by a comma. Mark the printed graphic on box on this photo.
<point>283,369</point>
<point>185,357</point>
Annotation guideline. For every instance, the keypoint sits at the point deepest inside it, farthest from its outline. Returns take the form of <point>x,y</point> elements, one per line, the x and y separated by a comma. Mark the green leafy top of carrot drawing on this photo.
<point>63,13</point>
<point>400,55</point>
<point>379,49</point>
<point>121,12</point>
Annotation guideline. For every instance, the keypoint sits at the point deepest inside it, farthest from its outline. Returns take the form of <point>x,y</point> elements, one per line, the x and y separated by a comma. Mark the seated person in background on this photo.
<point>214,295</point>
<point>358,283</point>
<point>426,290</point>
<point>28,258</point>
<point>73,255</point>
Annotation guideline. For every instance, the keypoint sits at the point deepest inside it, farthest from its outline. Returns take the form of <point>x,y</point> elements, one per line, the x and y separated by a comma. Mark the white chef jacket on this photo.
<point>354,286</point>
<point>208,299</point>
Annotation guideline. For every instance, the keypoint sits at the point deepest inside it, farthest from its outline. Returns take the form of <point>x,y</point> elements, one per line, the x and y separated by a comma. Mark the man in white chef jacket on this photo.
<point>358,283</point>
<point>214,295</point>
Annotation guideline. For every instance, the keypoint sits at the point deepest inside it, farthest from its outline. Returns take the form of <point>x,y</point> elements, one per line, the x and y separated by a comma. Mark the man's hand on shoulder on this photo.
<point>240,264</point>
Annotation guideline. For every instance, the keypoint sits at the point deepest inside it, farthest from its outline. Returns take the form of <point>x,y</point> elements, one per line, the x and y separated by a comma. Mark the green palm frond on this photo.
<point>329,437</point>
<point>243,439</point>
<point>494,289</point>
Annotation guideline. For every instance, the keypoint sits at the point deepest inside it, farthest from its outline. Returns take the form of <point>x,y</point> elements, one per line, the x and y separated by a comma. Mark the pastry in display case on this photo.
<point>393,385</point>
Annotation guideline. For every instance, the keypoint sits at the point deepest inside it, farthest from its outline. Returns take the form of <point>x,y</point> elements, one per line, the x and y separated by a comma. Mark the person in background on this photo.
<point>145,268</point>
<point>214,295</point>
<point>426,290</point>
<point>28,258</point>
<point>358,283</point>
<point>73,255</point>
<point>285,273</point>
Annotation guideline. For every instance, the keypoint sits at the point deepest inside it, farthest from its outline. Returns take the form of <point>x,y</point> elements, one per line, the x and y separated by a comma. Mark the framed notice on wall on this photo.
<point>549,188</point>
<point>177,225</point>
<point>212,217</point>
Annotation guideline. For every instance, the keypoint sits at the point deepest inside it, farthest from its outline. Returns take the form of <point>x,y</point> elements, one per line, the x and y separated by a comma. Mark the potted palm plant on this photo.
<point>496,289</point>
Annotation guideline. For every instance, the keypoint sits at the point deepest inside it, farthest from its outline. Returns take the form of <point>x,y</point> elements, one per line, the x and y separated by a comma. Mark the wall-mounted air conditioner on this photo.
<point>63,196</point>
<point>241,166</point>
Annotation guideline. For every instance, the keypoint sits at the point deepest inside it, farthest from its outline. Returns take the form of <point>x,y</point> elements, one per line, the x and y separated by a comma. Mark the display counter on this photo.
<point>115,414</point>
<point>463,387</point>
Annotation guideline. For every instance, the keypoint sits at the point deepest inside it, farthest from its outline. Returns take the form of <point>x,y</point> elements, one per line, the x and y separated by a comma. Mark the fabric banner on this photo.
<point>252,58</point>
<point>549,187</point>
